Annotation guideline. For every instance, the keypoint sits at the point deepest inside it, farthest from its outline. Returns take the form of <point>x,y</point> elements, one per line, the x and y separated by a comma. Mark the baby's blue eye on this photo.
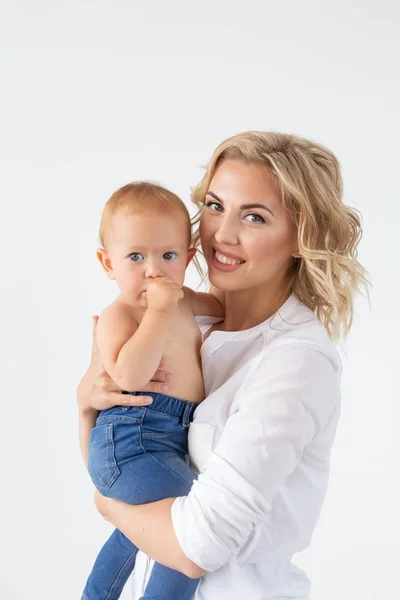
<point>136,256</point>
<point>169,255</point>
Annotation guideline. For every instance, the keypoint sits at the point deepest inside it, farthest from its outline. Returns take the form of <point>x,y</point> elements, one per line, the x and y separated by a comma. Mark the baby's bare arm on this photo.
<point>97,391</point>
<point>130,352</point>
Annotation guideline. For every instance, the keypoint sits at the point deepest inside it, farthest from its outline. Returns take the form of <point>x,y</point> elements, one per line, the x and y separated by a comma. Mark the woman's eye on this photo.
<point>255,218</point>
<point>169,255</point>
<point>136,256</point>
<point>215,206</point>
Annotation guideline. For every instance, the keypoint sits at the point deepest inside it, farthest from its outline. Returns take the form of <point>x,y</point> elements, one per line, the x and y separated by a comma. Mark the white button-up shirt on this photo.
<point>261,443</point>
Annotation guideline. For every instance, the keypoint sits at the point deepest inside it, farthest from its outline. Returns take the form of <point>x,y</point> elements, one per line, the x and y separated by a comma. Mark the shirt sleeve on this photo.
<point>281,407</point>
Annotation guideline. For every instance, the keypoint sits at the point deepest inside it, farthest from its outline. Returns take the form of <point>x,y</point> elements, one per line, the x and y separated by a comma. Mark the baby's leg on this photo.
<point>116,559</point>
<point>112,568</point>
<point>137,457</point>
<point>158,475</point>
<point>171,477</point>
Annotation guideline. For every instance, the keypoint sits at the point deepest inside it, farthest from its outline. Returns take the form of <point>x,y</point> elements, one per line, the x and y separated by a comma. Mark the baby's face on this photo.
<point>144,246</point>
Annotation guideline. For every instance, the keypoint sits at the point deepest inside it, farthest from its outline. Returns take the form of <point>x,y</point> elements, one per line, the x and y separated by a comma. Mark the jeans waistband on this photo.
<point>169,405</point>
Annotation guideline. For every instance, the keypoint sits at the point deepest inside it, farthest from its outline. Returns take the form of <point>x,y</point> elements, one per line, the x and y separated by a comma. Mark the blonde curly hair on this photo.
<point>328,274</point>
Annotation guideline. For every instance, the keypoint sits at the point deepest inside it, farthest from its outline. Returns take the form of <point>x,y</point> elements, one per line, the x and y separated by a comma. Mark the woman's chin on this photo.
<point>224,281</point>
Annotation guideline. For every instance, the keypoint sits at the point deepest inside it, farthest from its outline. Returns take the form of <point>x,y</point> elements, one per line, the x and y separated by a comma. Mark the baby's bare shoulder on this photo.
<point>118,311</point>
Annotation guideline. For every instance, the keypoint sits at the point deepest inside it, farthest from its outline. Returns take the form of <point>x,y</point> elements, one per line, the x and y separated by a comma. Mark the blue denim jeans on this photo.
<point>137,455</point>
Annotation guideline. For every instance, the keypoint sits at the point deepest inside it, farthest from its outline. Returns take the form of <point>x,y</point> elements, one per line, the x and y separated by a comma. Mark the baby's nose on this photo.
<point>153,270</point>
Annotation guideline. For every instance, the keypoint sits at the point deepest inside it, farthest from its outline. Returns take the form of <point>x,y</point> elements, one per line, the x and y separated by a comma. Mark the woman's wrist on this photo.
<point>84,394</point>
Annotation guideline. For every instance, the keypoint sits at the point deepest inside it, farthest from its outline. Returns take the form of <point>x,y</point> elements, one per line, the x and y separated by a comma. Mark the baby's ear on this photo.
<point>105,262</point>
<point>191,253</point>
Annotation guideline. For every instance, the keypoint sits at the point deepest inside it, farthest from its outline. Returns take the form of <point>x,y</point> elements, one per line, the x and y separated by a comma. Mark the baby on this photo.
<point>137,454</point>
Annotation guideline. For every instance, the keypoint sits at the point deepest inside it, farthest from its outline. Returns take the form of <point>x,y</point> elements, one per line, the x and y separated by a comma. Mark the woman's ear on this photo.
<point>105,262</point>
<point>191,253</point>
<point>295,248</point>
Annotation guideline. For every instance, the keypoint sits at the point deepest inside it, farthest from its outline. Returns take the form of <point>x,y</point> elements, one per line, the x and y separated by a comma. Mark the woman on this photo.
<point>282,247</point>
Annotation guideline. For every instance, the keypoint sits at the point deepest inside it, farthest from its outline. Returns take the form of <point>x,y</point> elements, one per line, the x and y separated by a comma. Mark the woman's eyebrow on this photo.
<point>214,196</point>
<point>243,206</point>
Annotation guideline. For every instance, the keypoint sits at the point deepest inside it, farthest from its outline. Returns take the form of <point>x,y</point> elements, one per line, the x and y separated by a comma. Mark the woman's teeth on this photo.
<point>227,261</point>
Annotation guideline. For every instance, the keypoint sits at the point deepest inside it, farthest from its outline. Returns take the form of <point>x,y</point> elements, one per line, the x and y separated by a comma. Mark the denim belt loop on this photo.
<point>187,414</point>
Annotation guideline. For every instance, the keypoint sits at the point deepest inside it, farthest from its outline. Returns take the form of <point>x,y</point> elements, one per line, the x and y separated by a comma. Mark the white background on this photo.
<point>95,94</point>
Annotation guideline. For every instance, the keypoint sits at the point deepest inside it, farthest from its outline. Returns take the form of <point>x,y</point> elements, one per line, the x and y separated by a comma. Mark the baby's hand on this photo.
<point>163,293</point>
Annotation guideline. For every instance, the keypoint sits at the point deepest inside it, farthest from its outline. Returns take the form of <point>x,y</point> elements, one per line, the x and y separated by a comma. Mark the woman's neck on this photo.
<point>248,308</point>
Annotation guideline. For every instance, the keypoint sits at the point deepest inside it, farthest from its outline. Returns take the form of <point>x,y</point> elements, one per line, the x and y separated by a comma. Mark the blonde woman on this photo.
<point>281,246</point>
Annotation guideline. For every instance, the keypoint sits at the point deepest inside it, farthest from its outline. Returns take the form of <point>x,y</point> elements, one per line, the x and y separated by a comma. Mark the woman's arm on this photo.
<point>87,420</point>
<point>290,397</point>
<point>150,525</point>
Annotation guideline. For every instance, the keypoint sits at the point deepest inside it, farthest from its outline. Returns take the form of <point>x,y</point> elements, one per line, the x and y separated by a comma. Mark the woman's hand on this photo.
<point>104,505</point>
<point>97,391</point>
<point>149,527</point>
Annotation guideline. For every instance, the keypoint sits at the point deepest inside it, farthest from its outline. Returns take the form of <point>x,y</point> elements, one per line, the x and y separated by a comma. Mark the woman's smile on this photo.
<point>225,262</point>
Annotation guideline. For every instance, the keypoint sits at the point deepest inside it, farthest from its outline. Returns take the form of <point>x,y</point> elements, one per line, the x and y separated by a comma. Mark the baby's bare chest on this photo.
<point>183,333</point>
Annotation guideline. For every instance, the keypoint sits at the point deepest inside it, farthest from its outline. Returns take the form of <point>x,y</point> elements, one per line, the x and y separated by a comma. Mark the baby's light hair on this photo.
<point>141,197</point>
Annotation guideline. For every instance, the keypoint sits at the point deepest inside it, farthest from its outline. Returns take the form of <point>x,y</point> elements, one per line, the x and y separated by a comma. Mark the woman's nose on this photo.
<point>228,231</point>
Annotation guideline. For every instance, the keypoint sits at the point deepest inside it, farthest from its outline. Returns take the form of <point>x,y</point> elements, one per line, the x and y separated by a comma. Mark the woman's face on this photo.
<point>247,236</point>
